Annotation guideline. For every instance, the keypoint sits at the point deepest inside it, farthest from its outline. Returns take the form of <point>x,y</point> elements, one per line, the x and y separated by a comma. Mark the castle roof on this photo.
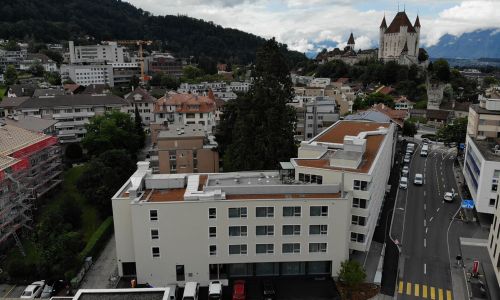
<point>417,23</point>
<point>351,40</point>
<point>400,20</point>
<point>384,24</point>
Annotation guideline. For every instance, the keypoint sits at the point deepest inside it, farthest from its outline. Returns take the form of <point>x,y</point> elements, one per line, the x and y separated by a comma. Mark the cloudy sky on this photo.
<point>306,24</point>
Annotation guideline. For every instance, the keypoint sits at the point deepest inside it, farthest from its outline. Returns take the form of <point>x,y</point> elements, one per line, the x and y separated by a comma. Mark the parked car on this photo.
<point>405,171</point>
<point>407,158</point>
<point>426,141</point>
<point>449,196</point>
<point>403,183</point>
<point>419,179</point>
<point>239,290</point>
<point>34,290</point>
<point>268,291</point>
<point>191,290</point>
<point>52,288</point>
<point>214,290</point>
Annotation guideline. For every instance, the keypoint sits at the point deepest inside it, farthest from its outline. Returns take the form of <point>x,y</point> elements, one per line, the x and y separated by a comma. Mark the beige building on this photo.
<point>186,149</point>
<point>484,118</point>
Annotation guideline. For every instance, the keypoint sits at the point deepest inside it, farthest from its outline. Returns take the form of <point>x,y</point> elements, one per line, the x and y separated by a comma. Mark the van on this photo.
<point>410,147</point>
<point>191,291</point>
<point>425,150</point>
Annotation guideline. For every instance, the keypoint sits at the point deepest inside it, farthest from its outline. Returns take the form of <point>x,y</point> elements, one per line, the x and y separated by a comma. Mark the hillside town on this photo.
<point>128,171</point>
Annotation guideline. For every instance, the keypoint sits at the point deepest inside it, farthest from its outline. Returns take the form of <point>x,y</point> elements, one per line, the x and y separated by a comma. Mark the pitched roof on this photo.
<point>401,19</point>
<point>145,96</point>
<point>73,100</point>
<point>97,89</point>
<point>12,102</point>
<point>22,90</point>
<point>48,92</point>
<point>31,123</point>
<point>71,87</point>
<point>384,23</point>
<point>417,22</point>
<point>186,103</point>
<point>351,40</point>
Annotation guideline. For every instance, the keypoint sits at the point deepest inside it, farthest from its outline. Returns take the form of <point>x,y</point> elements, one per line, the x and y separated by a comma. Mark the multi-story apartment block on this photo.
<point>123,72</point>
<point>300,220</point>
<point>12,58</point>
<point>30,166</point>
<point>167,64</point>
<point>320,82</point>
<point>96,54</point>
<point>239,87</point>
<point>184,149</point>
<point>482,155</point>
<point>71,112</point>
<point>144,102</point>
<point>494,242</point>
<point>319,114</point>
<point>185,109</point>
<point>88,74</point>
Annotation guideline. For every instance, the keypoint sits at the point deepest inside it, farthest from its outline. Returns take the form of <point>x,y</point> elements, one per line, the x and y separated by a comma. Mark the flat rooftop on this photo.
<point>486,148</point>
<point>182,131</point>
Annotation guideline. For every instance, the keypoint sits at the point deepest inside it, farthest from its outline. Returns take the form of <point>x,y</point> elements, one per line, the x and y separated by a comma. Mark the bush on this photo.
<point>98,239</point>
<point>74,151</point>
<point>71,212</point>
<point>21,270</point>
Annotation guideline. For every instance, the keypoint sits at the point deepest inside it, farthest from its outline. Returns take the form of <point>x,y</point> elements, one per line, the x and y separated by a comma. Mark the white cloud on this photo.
<point>303,23</point>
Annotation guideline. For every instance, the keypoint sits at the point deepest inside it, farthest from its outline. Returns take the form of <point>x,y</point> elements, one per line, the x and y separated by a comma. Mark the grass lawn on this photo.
<point>2,92</point>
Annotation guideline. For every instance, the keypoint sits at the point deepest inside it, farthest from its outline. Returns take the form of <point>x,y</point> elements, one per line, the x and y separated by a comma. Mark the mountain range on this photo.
<point>472,45</point>
<point>101,20</point>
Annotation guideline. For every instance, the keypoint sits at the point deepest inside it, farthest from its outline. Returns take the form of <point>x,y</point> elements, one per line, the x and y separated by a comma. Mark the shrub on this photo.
<point>98,239</point>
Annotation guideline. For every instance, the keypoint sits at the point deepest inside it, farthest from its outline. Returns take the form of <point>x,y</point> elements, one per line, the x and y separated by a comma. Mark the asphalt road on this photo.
<point>425,269</point>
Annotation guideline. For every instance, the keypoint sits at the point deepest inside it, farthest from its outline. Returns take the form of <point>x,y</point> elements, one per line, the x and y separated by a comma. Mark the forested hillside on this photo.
<point>54,20</point>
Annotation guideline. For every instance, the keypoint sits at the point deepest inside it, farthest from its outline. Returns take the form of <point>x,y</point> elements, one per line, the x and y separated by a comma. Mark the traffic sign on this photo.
<point>468,203</point>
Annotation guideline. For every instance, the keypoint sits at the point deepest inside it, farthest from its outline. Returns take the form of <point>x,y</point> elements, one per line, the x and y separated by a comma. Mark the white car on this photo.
<point>449,196</point>
<point>215,290</point>
<point>34,290</point>
<point>403,183</point>
<point>407,158</point>
<point>405,171</point>
<point>419,179</point>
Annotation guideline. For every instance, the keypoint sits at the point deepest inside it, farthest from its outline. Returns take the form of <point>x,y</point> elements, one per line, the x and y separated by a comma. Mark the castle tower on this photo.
<point>350,42</point>
<point>417,29</point>
<point>383,28</point>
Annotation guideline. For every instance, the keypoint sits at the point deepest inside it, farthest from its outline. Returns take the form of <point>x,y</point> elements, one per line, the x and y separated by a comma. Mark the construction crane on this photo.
<point>139,43</point>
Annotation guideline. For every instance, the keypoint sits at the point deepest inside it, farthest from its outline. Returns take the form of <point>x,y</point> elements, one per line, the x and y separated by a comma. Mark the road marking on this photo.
<point>426,229</point>
<point>425,223</point>
<point>425,246</point>
<point>425,268</point>
<point>424,195</point>
<point>417,290</point>
<point>408,289</point>
<point>437,210</point>
<point>425,205</point>
<point>433,293</point>
<point>424,291</point>
<point>431,219</point>
<point>10,291</point>
<point>441,294</point>
<point>448,295</point>
<point>400,288</point>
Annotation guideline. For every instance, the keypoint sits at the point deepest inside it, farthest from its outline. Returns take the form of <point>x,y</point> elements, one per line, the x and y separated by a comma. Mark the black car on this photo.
<point>268,291</point>
<point>52,288</point>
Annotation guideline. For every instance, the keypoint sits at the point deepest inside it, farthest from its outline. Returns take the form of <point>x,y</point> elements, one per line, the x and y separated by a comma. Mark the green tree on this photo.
<point>351,274</point>
<point>54,78</point>
<point>489,81</point>
<point>454,132</point>
<point>11,45</point>
<point>138,127</point>
<point>37,70</point>
<point>10,75</point>
<point>409,128</point>
<point>422,55</point>
<point>71,212</point>
<point>375,98</point>
<point>54,55</point>
<point>113,130</point>
<point>74,151</point>
<point>441,70</point>
<point>134,82</point>
<point>257,129</point>
<point>191,73</point>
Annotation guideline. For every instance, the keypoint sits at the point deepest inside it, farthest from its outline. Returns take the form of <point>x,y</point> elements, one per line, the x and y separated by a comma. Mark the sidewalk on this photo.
<point>103,273</point>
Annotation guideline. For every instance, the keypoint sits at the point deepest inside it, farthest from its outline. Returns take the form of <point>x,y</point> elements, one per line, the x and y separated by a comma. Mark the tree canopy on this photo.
<point>454,132</point>
<point>114,130</point>
<point>256,131</point>
<point>351,273</point>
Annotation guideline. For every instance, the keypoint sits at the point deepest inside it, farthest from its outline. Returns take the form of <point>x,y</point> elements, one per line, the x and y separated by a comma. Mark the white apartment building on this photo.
<point>320,82</point>
<point>482,156</point>
<point>88,74</point>
<point>239,87</point>
<point>71,112</point>
<point>494,242</point>
<point>300,220</point>
<point>318,115</point>
<point>95,54</point>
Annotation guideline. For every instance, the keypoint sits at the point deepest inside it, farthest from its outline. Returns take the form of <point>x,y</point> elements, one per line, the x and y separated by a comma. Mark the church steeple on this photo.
<point>350,42</point>
<point>384,23</point>
<point>417,23</point>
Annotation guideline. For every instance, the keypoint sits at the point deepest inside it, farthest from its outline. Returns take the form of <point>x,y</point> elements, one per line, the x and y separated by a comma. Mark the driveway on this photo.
<point>104,272</point>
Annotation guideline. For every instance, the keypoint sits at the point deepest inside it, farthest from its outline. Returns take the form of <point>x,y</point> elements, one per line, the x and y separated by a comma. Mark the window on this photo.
<point>238,212</point>
<point>357,220</point>
<point>291,211</point>
<point>237,249</point>
<point>357,237</point>
<point>311,178</point>
<point>291,230</point>
<point>179,273</point>
<point>360,185</point>
<point>155,251</point>
<point>358,202</point>
<point>318,229</point>
<point>212,213</point>
<point>237,231</point>
<point>212,231</point>
<point>153,215</point>
<point>264,248</point>
<point>290,248</point>
<point>212,249</point>
<point>318,211</point>
<point>155,234</point>
<point>494,184</point>
<point>264,230</point>
<point>264,212</point>
<point>492,201</point>
<point>309,117</point>
<point>317,247</point>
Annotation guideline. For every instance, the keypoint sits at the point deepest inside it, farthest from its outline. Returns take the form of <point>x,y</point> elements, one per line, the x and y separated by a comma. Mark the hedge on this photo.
<point>98,239</point>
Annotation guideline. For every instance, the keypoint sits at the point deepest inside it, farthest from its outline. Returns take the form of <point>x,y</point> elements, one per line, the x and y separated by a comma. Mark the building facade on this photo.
<point>88,74</point>
<point>95,54</point>
<point>300,220</point>
<point>144,102</point>
<point>494,242</point>
<point>400,41</point>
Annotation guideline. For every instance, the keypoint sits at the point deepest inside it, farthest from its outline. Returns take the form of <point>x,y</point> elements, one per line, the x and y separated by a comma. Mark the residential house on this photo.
<point>143,101</point>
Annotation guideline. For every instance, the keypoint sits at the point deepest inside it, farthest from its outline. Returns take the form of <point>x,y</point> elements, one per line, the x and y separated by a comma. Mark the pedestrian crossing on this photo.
<point>423,291</point>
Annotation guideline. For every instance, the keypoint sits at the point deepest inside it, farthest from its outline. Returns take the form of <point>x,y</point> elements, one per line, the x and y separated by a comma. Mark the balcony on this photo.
<point>85,114</point>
